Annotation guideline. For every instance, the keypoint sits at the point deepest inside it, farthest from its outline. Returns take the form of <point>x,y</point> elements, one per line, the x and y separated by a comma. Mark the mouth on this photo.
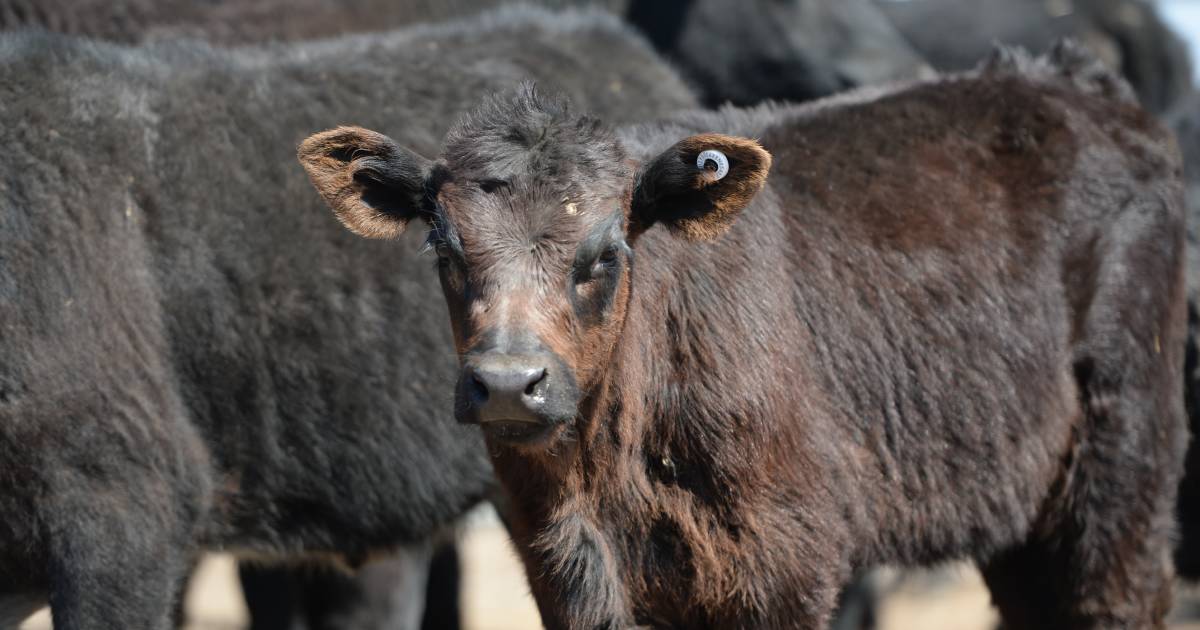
<point>521,432</point>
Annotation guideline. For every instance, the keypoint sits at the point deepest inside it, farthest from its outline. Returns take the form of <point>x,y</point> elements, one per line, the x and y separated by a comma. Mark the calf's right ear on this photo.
<point>699,186</point>
<point>374,186</point>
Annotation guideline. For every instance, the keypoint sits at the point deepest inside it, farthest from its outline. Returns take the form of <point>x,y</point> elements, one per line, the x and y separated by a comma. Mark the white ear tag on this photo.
<point>714,164</point>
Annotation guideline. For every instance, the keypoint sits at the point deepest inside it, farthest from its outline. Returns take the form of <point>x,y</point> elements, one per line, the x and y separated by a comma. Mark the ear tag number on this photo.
<point>714,164</point>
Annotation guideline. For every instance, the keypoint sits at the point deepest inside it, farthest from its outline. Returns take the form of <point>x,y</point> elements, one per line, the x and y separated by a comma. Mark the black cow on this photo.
<point>191,356</point>
<point>748,52</point>
<point>743,52</point>
<point>1129,35</point>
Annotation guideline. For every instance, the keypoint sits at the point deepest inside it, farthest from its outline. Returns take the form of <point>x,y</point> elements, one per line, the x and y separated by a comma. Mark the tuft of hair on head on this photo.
<point>527,132</point>
<point>507,117</point>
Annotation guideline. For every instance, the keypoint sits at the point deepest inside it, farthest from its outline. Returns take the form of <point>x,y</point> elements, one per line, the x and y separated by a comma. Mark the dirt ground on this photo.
<point>496,596</point>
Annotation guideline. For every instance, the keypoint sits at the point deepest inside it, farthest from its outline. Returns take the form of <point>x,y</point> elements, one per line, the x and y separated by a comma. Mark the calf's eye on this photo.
<point>443,256</point>
<point>605,261</point>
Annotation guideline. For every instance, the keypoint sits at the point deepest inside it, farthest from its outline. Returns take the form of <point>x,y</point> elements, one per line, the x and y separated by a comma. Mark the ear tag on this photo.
<point>714,164</point>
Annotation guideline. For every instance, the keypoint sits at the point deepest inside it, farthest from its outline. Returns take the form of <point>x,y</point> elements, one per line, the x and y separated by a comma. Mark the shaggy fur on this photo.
<point>950,326</point>
<point>742,52</point>
<point>192,354</point>
<point>1128,34</point>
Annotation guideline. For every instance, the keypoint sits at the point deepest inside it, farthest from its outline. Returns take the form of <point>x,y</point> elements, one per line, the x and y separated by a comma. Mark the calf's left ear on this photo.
<point>698,186</point>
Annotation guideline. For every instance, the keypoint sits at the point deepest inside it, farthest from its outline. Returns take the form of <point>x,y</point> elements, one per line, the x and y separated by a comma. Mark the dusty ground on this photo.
<point>496,596</point>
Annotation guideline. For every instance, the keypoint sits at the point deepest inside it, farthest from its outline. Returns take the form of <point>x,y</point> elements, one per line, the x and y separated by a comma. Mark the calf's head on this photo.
<point>532,212</point>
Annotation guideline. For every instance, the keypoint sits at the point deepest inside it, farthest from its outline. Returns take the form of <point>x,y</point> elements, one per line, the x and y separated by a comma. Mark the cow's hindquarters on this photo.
<point>1101,558</point>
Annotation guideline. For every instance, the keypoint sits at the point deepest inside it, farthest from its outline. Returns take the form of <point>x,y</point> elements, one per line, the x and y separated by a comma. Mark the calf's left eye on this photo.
<point>604,262</point>
<point>599,268</point>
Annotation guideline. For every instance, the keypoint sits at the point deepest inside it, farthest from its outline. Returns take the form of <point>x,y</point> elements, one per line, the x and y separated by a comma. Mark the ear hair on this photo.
<point>374,186</point>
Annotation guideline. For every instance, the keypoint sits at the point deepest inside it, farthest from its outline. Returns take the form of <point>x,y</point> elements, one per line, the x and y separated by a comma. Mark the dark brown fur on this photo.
<point>950,326</point>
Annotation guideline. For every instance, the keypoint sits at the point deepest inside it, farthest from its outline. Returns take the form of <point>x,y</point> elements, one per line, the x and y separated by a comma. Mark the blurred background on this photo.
<point>1184,17</point>
<point>947,35</point>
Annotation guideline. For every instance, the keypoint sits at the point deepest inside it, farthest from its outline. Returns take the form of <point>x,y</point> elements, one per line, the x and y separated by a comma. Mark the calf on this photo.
<point>190,358</point>
<point>950,326</point>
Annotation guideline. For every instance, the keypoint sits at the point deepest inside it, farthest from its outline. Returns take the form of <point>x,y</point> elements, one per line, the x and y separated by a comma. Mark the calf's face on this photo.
<point>531,213</point>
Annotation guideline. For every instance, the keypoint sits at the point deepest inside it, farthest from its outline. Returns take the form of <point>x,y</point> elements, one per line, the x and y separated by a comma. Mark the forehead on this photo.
<point>526,169</point>
<point>531,135</point>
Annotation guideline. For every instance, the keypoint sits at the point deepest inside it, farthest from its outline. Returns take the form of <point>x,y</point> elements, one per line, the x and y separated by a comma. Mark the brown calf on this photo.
<point>949,326</point>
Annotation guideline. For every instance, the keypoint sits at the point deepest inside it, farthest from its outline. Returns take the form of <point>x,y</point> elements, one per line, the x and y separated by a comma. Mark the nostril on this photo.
<point>538,377</point>
<point>479,391</point>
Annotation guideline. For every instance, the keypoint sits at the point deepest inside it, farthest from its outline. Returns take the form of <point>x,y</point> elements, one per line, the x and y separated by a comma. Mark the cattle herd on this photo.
<point>720,304</point>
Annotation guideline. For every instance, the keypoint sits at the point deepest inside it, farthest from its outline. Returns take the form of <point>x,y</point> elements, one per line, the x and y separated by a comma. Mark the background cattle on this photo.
<point>749,52</point>
<point>1128,35</point>
<point>960,276</point>
<point>408,589</point>
<point>193,356</point>
<point>742,52</point>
